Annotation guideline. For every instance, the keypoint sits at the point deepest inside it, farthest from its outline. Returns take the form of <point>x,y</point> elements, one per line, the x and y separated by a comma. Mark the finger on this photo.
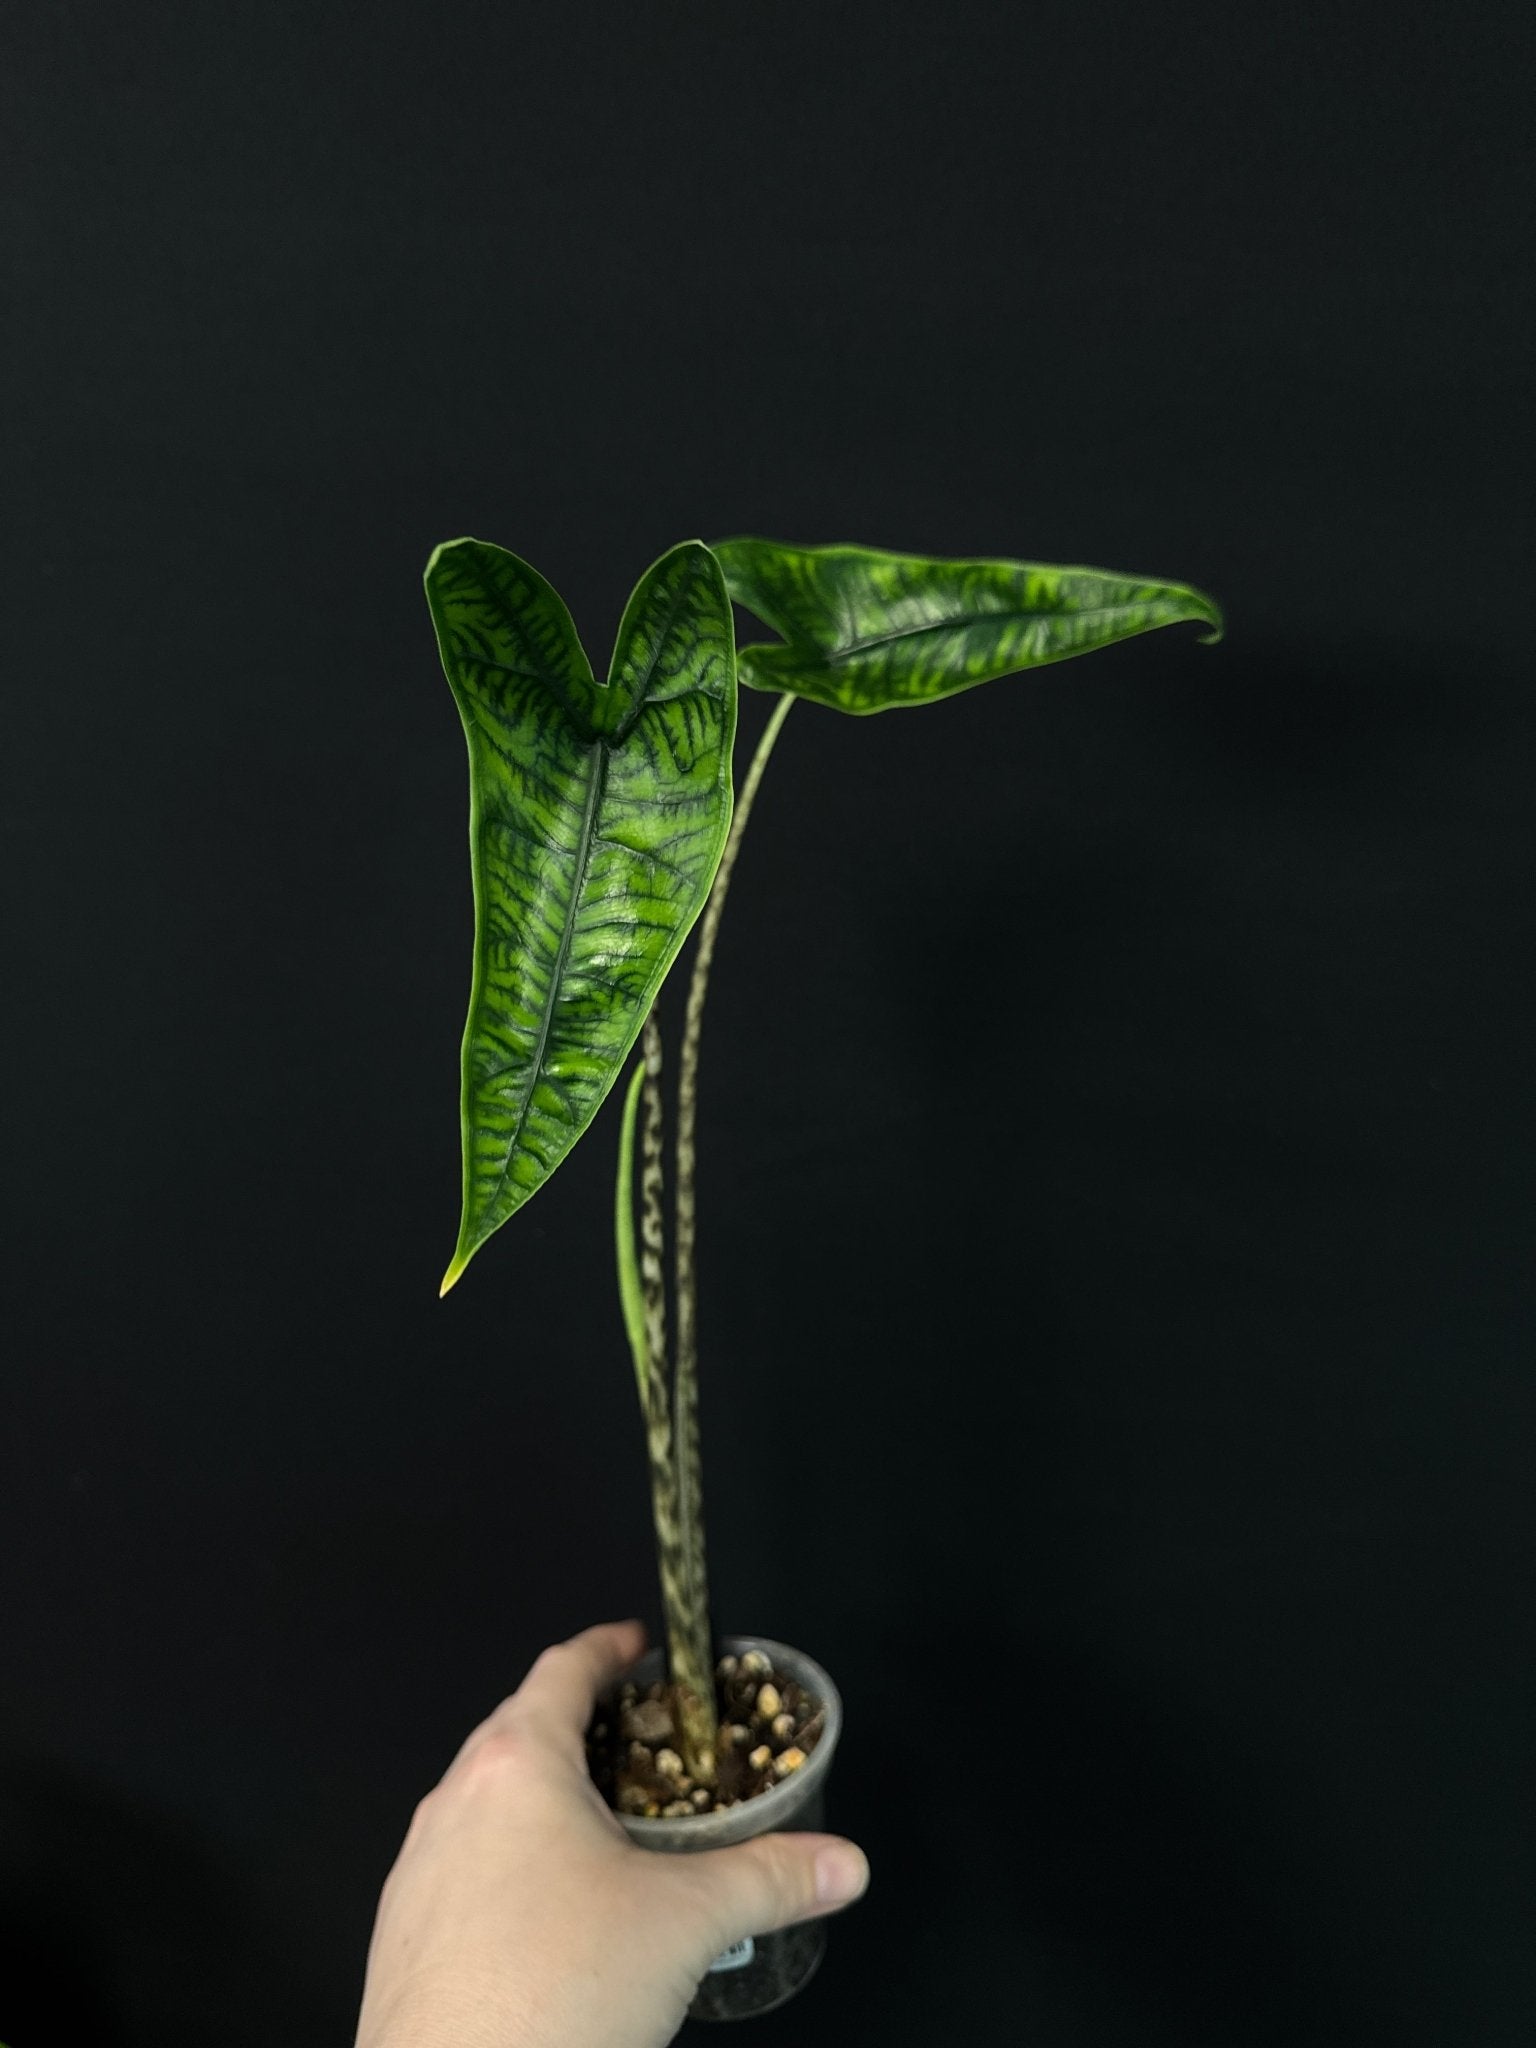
<point>557,1697</point>
<point>759,1886</point>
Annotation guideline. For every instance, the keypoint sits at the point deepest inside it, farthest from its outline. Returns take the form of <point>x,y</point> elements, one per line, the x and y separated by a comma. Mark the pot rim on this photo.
<point>783,1804</point>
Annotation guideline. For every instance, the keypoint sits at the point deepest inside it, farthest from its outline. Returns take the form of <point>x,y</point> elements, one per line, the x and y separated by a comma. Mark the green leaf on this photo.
<point>598,815</point>
<point>867,631</point>
<point>631,1289</point>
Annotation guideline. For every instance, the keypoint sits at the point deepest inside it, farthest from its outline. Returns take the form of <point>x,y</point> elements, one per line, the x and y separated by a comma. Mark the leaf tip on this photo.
<point>453,1274</point>
<point>1210,611</point>
<point>463,540</point>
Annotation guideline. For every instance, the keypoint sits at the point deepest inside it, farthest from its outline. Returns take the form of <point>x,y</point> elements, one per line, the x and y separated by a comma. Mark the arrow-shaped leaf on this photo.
<point>867,631</point>
<point>598,815</point>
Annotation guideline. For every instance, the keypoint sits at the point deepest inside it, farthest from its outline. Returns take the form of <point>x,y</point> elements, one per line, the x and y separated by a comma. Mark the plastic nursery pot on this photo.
<point>764,1970</point>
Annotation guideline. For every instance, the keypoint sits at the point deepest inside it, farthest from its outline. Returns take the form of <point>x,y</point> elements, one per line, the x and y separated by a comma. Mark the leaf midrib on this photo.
<point>598,755</point>
<point>1093,611</point>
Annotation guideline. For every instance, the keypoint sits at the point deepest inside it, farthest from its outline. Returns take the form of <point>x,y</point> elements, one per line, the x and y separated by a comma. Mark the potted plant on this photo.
<point>603,825</point>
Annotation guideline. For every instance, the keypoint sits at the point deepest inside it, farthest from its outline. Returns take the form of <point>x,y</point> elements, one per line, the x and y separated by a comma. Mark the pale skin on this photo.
<point>519,1914</point>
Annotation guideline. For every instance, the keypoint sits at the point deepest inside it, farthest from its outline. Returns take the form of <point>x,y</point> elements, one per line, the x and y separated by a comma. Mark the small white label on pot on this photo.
<point>736,1957</point>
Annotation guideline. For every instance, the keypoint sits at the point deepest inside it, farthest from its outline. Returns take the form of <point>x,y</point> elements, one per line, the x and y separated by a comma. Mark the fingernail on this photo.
<point>842,1872</point>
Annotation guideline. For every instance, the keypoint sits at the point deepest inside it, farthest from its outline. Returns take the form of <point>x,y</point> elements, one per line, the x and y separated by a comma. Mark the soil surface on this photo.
<point>769,1726</point>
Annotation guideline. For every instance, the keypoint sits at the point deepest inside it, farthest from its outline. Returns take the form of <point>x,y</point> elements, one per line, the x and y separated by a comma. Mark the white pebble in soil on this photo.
<point>648,1721</point>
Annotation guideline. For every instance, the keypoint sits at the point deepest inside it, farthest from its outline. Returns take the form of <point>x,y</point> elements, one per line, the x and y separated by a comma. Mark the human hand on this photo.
<point>519,1914</point>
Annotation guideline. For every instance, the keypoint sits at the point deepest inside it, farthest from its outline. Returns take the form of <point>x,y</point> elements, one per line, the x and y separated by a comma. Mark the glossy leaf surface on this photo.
<point>598,815</point>
<point>867,631</point>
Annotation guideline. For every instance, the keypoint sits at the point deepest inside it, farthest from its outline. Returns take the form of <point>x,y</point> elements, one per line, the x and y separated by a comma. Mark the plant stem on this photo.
<point>688,1644</point>
<point>689,1473</point>
<point>652,1230</point>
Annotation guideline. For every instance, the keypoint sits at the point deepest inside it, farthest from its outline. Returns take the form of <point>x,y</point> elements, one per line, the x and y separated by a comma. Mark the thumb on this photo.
<point>772,1881</point>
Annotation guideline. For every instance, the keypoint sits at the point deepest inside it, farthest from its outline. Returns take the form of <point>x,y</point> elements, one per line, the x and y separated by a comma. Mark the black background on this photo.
<point>1117,1128</point>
